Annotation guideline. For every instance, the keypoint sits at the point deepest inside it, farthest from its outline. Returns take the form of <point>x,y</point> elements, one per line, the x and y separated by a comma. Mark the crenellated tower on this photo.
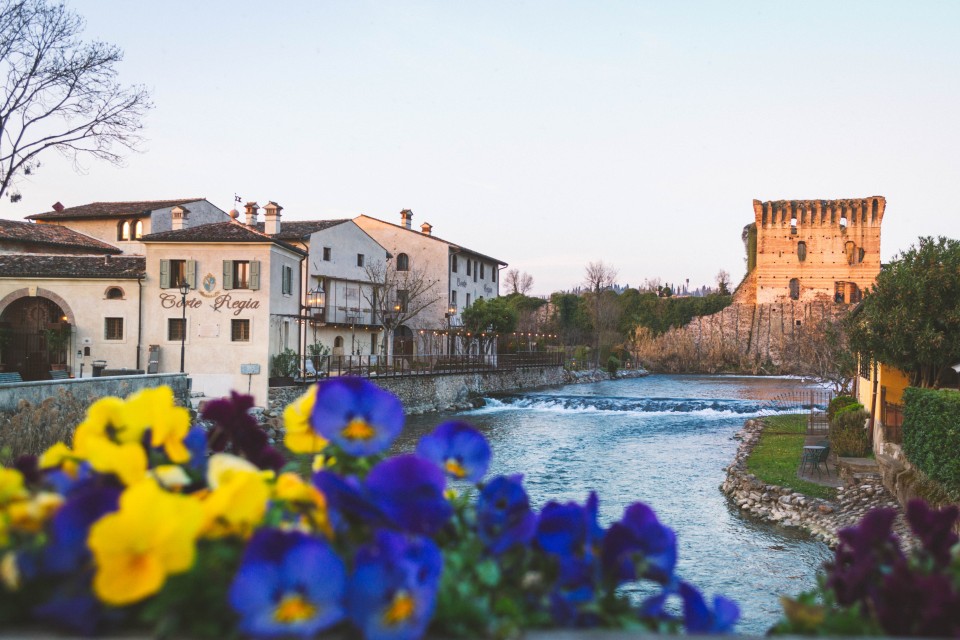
<point>811,250</point>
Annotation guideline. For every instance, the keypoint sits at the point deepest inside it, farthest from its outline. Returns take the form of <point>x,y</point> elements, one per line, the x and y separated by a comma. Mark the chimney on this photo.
<point>251,208</point>
<point>406,218</point>
<point>106,259</point>
<point>178,217</point>
<point>271,218</point>
<point>58,207</point>
<point>426,228</point>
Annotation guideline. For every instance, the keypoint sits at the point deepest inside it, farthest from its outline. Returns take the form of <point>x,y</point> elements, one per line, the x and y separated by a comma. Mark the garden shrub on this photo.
<point>839,403</point>
<point>613,363</point>
<point>848,437</point>
<point>931,434</point>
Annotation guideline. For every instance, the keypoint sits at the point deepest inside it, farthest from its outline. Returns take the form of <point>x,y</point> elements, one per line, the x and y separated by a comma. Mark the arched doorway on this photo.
<point>35,337</point>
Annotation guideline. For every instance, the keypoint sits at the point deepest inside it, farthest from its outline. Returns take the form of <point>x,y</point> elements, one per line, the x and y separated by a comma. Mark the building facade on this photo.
<point>814,250</point>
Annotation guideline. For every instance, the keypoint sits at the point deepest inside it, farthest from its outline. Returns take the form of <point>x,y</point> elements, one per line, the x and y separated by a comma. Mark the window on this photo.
<point>241,274</point>
<point>794,289</point>
<point>123,230</point>
<point>403,262</point>
<point>453,297</point>
<point>801,251</point>
<point>239,330</point>
<point>481,271</point>
<point>864,367</point>
<point>175,272</point>
<point>853,255</point>
<point>402,299</point>
<point>129,230</point>
<point>286,280</point>
<point>338,342</point>
<point>114,293</point>
<point>453,264</point>
<point>468,266</point>
<point>176,329</point>
<point>326,254</point>
<point>373,343</point>
<point>493,274</point>
<point>138,229</point>
<point>468,299</point>
<point>359,259</point>
<point>839,291</point>
<point>113,328</point>
<point>475,271</point>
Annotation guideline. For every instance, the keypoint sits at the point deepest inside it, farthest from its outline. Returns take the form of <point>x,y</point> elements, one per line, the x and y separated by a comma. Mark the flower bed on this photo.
<point>143,522</point>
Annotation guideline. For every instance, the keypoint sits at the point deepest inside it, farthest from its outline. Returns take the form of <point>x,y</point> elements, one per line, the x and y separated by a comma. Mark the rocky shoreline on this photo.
<point>784,507</point>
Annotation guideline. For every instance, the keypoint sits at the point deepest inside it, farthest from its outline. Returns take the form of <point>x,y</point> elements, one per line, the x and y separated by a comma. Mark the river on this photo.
<point>663,440</point>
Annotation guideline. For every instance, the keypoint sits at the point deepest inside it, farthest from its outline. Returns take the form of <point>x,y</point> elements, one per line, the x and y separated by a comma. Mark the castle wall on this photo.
<point>816,244</point>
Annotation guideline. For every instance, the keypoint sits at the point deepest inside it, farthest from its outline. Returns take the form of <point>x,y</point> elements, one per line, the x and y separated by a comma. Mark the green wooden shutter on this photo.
<point>228,274</point>
<point>164,274</point>
<point>192,273</point>
<point>254,274</point>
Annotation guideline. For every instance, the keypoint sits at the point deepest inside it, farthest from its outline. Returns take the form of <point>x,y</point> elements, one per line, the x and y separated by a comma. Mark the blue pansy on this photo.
<point>504,518</point>
<point>639,547</point>
<point>569,529</point>
<point>393,590</point>
<point>698,617</point>
<point>196,443</point>
<point>86,503</point>
<point>357,416</point>
<point>408,490</point>
<point>458,449</point>
<point>348,498</point>
<point>288,584</point>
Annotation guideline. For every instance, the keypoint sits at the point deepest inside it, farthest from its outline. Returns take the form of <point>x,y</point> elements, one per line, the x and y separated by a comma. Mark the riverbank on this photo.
<point>785,507</point>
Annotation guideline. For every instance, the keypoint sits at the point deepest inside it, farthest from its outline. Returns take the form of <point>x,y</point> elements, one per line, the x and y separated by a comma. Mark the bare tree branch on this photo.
<point>60,92</point>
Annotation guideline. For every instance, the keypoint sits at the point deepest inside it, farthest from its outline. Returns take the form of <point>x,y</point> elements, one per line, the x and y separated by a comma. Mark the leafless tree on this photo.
<point>651,285</point>
<point>598,277</point>
<point>723,282</point>
<point>398,297</point>
<point>60,92</point>
<point>518,282</point>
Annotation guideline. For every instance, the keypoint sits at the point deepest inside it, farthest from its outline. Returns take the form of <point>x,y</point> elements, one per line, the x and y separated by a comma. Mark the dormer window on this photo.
<point>114,293</point>
<point>129,230</point>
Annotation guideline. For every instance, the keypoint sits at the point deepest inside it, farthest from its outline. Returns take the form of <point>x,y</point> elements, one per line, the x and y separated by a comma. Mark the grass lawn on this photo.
<point>776,458</point>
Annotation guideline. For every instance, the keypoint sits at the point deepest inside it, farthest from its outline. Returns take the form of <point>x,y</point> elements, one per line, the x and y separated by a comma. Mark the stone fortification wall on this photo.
<point>34,415</point>
<point>787,508</point>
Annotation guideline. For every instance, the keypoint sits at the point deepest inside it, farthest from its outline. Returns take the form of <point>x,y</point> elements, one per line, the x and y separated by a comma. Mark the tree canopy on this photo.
<point>910,319</point>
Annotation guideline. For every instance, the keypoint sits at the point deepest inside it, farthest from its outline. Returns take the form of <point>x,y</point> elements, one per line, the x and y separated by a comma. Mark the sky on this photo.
<point>547,134</point>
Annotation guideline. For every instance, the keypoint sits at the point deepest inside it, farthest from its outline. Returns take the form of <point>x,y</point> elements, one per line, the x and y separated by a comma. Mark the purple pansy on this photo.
<point>934,529</point>
<point>235,425</point>
<point>408,490</point>
<point>504,518</point>
<point>862,551</point>
<point>357,416</point>
<point>700,618</point>
<point>288,584</point>
<point>569,529</point>
<point>458,449</point>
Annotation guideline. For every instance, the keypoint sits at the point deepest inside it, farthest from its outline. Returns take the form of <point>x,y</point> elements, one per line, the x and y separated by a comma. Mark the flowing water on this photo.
<point>663,440</point>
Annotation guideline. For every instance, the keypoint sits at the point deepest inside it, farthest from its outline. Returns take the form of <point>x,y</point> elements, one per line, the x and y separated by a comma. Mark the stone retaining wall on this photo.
<point>34,415</point>
<point>787,508</point>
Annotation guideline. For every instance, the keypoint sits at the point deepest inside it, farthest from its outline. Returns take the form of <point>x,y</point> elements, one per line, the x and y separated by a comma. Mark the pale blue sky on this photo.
<point>547,134</point>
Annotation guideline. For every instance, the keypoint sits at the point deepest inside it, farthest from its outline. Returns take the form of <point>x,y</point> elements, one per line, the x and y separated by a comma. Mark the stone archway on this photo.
<point>35,333</point>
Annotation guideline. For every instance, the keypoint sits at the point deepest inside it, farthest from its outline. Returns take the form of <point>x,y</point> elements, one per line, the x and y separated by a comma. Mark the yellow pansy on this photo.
<point>300,436</point>
<point>151,536</point>
<point>104,421</point>
<point>156,410</point>
<point>9,571</point>
<point>127,461</point>
<point>30,515</point>
<point>237,504</point>
<point>305,498</point>
<point>171,476</point>
<point>59,456</point>
<point>221,466</point>
<point>11,486</point>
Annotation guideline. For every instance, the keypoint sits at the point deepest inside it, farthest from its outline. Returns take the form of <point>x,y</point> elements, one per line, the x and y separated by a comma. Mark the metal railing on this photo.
<point>891,415</point>
<point>315,368</point>
<point>813,402</point>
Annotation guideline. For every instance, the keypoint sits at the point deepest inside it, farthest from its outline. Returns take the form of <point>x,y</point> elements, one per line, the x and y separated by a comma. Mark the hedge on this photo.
<point>931,434</point>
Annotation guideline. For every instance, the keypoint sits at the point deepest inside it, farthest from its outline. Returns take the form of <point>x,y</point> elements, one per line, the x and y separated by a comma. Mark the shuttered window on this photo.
<point>241,274</point>
<point>240,330</point>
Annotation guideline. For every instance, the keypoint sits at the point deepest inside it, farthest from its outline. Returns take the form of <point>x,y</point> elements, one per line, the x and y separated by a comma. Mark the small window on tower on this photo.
<point>801,251</point>
<point>794,289</point>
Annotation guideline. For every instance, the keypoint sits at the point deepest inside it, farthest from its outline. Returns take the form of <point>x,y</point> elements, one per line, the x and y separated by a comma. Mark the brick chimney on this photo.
<point>271,218</point>
<point>426,228</point>
<point>406,218</point>
<point>58,207</point>
<point>251,208</point>
<point>178,217</point>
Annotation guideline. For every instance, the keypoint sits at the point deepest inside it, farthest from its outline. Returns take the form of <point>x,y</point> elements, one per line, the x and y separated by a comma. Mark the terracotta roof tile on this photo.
<point>20,265</point>
<point>217,232</point>
<point>300,229</point>
<point>52,235</point>
<point>111,209</point>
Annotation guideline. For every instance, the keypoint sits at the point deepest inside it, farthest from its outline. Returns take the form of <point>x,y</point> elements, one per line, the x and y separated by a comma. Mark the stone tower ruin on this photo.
<point>812,250</point>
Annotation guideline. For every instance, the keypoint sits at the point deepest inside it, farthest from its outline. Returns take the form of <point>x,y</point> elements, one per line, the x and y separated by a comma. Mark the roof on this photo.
<point>111,209</point>
<point>53,235</point>
<point>456,247</point>
<point>300,229</point>
<point>218,232</point>
<point>20,265</point>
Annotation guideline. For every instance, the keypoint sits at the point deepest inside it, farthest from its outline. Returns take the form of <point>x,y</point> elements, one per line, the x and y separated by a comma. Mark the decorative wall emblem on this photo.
<point>208,286</point>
